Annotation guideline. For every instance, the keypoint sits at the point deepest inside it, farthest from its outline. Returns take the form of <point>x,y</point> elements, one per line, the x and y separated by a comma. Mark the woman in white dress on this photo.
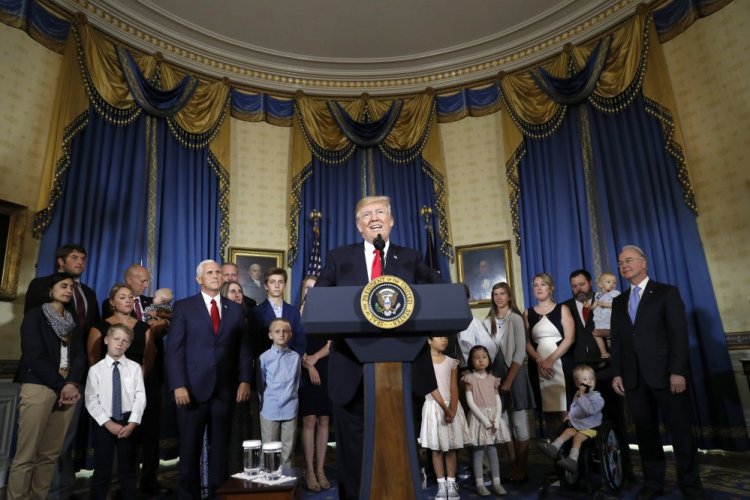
<point>551,334</point>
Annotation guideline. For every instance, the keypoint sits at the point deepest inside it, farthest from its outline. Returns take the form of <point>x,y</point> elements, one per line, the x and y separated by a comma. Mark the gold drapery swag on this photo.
<point>315,127</point>
<point>91,75</point>
<point>635,62</point>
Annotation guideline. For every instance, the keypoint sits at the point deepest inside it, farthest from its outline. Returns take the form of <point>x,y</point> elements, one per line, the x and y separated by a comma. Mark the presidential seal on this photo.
<point>387,302</point>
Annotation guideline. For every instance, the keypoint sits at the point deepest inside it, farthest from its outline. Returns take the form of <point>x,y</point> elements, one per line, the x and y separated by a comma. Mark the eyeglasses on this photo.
<point>628,261</point>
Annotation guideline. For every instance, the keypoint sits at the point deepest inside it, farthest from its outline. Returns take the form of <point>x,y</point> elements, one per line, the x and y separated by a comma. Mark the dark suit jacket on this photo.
<point>585,349</point>
<point>40,353</point>
<point>346,266</point>
<point>198,359</point>
<point>107,308</point>
<point>261,318</point>
<point>657,345</point>
<point>38,294</point>
<point>248,305</point>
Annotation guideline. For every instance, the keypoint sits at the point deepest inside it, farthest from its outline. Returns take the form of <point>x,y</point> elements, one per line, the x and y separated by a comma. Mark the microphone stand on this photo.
<point>379,244</point>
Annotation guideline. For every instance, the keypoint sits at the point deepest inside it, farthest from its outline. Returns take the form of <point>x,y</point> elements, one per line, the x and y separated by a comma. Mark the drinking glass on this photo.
<point>252,456</point>
<point>272,460</point>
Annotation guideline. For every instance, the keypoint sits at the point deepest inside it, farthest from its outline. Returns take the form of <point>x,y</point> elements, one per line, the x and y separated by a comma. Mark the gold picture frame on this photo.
<point>244,258</point>
<point>481,266</point>
<point>12,229</point>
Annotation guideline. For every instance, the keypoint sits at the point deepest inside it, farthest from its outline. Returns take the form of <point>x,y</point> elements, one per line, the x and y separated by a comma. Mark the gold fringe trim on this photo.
<point>43,218</point>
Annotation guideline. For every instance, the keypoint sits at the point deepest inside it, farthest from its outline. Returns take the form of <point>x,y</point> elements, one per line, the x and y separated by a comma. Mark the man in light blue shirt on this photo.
<point>280,369</point>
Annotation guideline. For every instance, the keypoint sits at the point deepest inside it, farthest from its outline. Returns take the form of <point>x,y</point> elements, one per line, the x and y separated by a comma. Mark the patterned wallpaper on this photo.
<point>711,81</point>
<point>479,207</point>
<point>27,86</point>
<point>257,205</point>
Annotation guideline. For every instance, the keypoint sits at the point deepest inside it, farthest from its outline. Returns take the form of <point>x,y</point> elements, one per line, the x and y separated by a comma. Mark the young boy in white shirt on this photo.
<point>117,413</point>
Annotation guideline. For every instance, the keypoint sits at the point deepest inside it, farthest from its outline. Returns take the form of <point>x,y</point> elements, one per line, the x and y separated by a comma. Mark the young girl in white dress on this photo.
<point>486,426</point>
<point>444,428</point>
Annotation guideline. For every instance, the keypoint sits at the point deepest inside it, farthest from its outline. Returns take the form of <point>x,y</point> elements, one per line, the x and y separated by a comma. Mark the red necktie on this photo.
<point>215,316</point>
<point>80,306</point>
<point>138,310</point>
<point>586,312</point>
<point>377,266</point>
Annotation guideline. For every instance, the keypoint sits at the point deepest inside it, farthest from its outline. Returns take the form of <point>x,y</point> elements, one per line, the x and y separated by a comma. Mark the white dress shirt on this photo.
<point>99,390</point>
<point>641,286</point>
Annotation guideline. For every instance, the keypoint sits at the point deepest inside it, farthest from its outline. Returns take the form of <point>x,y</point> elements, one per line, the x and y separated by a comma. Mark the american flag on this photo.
<point>314,263</point>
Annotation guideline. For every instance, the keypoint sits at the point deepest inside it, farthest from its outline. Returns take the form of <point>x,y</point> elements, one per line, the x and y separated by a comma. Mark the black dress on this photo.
<point>313,399</point>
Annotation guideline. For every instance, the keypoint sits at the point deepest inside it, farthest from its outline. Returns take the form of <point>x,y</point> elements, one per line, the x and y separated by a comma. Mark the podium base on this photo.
<point>390,465</point>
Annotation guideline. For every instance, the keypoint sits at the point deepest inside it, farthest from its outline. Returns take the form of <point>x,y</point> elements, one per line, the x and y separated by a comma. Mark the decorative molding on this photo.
<point>281,72</point>
<point>738,341</point>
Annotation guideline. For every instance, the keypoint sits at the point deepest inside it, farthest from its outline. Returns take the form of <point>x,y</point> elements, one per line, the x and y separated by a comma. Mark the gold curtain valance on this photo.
<point>201,113</point>
<point>322,129</point>
<point>91,75</point>
<point>532,105</point>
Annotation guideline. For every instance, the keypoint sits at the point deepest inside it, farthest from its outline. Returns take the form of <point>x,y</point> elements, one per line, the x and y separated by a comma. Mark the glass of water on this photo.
<point>252,456</point>
<point>272,460</point>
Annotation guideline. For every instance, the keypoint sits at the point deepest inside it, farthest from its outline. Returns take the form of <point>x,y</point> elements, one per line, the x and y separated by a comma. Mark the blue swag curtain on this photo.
<point>334,186</point>
<point>103,202</point>
<point>138,190</point>
<point>606,175</point>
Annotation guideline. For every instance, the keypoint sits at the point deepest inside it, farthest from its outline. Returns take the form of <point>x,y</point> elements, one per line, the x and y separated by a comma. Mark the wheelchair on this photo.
<point>601,465</point>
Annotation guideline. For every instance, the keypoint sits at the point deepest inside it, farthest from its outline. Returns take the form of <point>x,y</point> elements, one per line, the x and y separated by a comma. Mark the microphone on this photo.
<point>379,244</point>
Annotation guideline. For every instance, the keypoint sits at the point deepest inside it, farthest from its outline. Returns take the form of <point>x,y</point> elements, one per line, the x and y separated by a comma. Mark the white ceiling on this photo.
<point>340,46</point>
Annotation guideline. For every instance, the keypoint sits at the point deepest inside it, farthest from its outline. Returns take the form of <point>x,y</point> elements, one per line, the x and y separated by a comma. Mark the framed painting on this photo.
<point>481,266</point>
<point>12,229</point>
<point>252,265</point>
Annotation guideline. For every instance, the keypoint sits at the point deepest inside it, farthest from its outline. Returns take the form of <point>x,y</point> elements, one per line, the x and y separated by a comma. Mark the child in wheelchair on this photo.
<point>584,416</point>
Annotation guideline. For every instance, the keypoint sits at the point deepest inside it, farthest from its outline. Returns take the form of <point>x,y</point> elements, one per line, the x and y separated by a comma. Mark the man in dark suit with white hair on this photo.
<point>651,368</point>
<point>208,369</point>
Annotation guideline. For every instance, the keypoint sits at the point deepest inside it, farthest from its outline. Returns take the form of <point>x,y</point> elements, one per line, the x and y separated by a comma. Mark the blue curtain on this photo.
<point>644,201</point>
<point>103,202</point>
<point>137,193</point>
<point>634,196</point>
<point>188,215</point>
<point>553,209</point>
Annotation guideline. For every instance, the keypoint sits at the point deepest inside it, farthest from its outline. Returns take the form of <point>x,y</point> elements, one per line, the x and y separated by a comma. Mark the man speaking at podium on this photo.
<point>356,265</point>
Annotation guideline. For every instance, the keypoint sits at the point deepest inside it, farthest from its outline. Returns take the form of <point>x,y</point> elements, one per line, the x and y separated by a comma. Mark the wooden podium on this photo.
<point>390,467</point>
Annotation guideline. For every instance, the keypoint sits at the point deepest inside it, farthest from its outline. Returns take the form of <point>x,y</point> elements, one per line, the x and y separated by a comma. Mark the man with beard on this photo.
<point>585,349</point>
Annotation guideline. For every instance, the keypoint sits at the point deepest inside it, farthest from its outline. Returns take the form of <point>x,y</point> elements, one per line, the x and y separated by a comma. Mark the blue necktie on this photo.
<point>635,298</point>
<point>116,393</point>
